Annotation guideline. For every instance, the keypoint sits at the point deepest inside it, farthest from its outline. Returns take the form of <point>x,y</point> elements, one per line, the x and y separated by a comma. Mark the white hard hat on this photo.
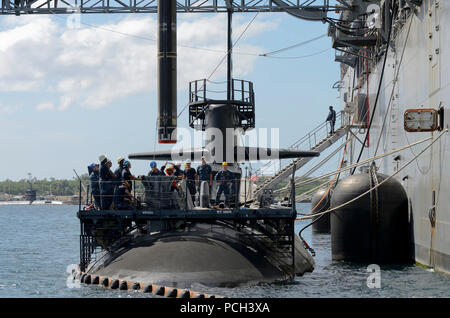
<point>120,159</point>
<point>188,161</point>
<point>101,158</point>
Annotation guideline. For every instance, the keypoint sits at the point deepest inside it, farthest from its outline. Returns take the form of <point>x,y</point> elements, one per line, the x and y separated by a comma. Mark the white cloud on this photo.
<point>7,109</point>
<point>45,106</point>
<point>92,67</point>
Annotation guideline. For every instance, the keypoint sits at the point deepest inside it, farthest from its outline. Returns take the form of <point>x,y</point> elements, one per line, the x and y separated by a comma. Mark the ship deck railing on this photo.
<point>157,193</point>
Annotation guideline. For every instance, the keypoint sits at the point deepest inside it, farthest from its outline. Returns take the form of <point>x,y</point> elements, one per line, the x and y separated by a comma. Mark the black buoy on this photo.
<point>160,291</point>
<point>96,280</point>
<point>87,279</point>
<point>114,284</point>
<point>172,293</point>
<point>123,285</point>
<point>322,225</point>
<point>148,289</point>
<point>185,294</point>
<point>374,228</point>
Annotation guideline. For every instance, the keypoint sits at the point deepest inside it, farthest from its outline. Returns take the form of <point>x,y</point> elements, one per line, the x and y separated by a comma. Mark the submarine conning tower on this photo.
<point>222,120</point>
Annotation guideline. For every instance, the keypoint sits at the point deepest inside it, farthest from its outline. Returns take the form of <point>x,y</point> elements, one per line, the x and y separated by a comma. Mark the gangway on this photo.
<point>318,140</point>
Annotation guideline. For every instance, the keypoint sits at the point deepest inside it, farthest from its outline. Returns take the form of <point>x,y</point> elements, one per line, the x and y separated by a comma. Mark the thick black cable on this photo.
<point>394,84</point>
<point>378,93</point>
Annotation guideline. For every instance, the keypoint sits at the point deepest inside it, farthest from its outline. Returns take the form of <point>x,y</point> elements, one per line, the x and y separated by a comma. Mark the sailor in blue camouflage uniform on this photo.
<point>223,179</point>
<point>191,177</point>
<point>154,171</point>
<point>204,173</point>
<point>118,173</point>
<point>127,175</point>
<point>107,178</point>
<point>94,177</point>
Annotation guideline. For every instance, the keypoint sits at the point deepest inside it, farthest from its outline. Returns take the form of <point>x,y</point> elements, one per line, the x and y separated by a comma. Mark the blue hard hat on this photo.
<point>92,165</point>
<point>126,163</point>
<point>153,164</point>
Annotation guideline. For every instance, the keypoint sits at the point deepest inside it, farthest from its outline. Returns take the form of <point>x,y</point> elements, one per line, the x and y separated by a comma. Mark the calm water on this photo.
<point>37,243</point>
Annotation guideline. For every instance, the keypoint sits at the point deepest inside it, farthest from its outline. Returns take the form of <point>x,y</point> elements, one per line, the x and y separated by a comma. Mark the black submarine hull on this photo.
<point>219,258</point>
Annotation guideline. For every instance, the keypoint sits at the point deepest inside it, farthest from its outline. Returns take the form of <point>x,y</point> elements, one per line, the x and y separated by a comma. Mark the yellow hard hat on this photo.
<point>120,159</point>
<point>224,163</point>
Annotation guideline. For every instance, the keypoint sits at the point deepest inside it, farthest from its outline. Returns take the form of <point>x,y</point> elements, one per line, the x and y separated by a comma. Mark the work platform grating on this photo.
<point>189,215</point>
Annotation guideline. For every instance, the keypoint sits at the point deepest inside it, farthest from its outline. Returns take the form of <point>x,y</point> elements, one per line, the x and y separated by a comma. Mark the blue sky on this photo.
<point>67,96</point>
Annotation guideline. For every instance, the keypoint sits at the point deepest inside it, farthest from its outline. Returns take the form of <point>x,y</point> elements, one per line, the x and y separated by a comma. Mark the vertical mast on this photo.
<point>167,71</point>
<point>229,54</point>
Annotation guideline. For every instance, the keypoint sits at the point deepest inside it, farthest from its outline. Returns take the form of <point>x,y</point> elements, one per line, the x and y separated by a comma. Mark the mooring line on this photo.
<point>377,186</point>
<point>361,163</point>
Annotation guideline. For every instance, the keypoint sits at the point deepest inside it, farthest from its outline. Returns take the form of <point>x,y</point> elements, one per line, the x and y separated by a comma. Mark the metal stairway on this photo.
<point>317,139</point>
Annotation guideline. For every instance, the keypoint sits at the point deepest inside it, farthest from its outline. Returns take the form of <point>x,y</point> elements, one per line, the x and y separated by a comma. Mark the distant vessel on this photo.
<point>30,197</point>
<point>30,194</point>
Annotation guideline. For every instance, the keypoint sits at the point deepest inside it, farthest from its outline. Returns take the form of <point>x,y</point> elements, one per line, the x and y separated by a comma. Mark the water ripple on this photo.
<point>35,252</point>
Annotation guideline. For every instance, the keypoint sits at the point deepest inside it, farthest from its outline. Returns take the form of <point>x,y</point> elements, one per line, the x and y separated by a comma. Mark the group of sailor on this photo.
<point>116,187</point>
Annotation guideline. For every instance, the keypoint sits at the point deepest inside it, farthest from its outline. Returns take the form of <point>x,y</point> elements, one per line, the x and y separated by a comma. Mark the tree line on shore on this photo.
<point>51,186</point>
<point>64,187</point>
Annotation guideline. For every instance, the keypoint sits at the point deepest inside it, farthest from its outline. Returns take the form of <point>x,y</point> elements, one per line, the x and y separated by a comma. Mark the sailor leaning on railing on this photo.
<point>115,190</point>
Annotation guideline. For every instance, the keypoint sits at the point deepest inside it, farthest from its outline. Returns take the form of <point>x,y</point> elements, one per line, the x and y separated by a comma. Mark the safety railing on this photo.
<point>319,133</point>
<point>158,192</point>
<point>203,90</point>
<point>311,139</point>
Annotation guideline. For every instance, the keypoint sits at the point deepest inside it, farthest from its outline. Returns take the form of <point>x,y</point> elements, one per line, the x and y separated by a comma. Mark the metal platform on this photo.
<point>314,10</point>
<point>188,215</point>
<point>273,228</point>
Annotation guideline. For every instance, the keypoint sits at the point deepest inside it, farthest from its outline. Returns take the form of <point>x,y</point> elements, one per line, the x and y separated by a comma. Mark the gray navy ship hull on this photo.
<point>423,82</point>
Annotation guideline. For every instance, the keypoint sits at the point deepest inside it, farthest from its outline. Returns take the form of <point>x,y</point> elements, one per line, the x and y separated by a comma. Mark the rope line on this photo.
<point>294,45</point>
<point>363,162</point>
<point>378,185</point>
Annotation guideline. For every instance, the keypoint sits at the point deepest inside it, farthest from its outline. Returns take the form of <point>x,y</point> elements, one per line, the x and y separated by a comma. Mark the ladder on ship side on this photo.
<point>318,140</point>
